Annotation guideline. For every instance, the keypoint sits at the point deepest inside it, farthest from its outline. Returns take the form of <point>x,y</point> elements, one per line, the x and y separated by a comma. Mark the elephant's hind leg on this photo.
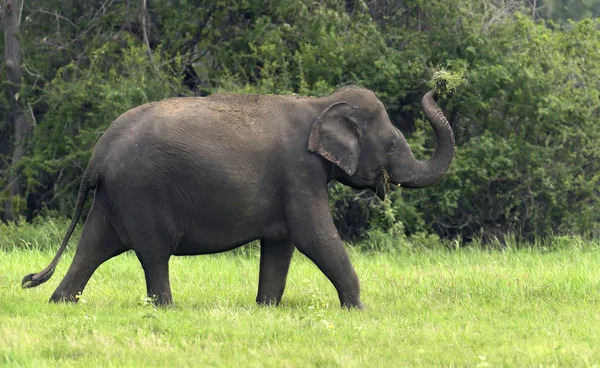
<point>154,238</point>
<point>156,270</point>
<point>275,257</point>
<point>98,243</point>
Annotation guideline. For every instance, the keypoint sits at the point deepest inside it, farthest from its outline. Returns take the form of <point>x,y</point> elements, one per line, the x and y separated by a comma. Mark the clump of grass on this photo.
<point>386,180</point>
<point>42,233</point>
<point>446,83</point>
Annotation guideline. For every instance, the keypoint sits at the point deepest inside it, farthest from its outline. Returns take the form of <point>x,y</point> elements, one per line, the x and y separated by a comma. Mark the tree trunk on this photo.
<point>145,30</point>
<point>11,15</point>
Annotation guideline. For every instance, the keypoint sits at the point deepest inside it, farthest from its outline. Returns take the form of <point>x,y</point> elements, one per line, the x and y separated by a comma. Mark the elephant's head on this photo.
<point>355,133</point>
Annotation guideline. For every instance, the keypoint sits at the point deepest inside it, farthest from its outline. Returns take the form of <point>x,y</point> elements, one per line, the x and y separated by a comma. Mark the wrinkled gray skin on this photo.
<point>189,176</point>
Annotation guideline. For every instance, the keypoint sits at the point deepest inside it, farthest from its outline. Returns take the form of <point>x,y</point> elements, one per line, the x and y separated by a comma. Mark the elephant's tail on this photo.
<point>33,280</point>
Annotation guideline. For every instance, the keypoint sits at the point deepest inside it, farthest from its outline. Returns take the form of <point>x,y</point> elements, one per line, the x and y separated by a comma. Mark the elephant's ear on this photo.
<point>337,136</point>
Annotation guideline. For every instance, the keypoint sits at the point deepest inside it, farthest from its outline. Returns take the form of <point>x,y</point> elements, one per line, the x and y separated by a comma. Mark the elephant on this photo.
<point>201,175</point>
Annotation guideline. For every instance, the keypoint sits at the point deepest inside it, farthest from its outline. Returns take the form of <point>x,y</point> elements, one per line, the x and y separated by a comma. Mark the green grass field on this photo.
<point>429,307</point>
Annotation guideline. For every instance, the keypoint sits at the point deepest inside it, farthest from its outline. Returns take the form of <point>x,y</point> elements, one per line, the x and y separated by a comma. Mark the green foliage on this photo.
<point>280,51</point>
<point>81,103</point>
<point>562,11</point>
<point>526,163</point>
<point>446,83</point>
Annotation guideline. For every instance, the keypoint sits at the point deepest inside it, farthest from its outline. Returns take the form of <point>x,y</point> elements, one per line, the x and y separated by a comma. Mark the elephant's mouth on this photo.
<point>385,184</point>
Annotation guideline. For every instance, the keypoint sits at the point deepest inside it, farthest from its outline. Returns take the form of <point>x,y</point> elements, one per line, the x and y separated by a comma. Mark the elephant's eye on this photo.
<point>392,146</point>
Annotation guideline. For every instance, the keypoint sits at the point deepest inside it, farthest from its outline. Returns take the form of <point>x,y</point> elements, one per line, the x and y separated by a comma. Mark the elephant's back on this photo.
<point>189,146</point>
<point>197,122</point>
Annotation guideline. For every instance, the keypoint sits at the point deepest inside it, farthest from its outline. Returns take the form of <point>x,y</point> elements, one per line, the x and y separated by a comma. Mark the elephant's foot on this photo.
<point>60,297</point>
<point>353,305</point>
<point>162,300</point>
<point>264,300</point>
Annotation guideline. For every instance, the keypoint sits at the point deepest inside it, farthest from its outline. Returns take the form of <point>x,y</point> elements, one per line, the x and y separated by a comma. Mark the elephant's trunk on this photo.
<point>426,173</point>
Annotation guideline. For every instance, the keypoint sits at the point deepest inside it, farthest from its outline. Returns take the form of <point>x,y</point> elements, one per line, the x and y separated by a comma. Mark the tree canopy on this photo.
<point>528,159</point>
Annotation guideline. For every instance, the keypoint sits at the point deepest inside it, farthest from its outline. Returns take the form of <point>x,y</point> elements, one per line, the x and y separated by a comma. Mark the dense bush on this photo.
<point>527,161</point>
<point>526,124</point>
<point>81,103</point>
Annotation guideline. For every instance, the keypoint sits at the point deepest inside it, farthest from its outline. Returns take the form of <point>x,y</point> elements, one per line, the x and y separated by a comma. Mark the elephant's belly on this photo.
<point>204,246</point>
<point>221,239</point>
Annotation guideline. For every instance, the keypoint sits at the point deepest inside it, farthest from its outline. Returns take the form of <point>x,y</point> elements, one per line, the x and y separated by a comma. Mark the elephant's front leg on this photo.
<point>275,257</point>
<point>315,235</point>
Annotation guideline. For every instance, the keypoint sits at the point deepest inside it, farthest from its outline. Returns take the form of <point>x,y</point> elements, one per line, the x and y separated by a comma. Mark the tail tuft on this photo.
<point>31,281</point>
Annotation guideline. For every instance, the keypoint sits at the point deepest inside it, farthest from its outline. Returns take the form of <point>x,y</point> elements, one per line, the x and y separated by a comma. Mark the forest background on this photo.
<point>527,163</point>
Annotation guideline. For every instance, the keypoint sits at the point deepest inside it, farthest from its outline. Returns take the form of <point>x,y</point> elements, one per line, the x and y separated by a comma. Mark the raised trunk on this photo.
<point>426,173</point>
<point>11,14</point>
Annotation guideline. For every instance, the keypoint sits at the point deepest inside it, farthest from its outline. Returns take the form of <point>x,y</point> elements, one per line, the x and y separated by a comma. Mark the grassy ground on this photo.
<point>442,308</point>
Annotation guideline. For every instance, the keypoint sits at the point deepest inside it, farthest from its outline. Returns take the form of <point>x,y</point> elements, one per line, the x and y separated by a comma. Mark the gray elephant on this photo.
<point>189,176</point>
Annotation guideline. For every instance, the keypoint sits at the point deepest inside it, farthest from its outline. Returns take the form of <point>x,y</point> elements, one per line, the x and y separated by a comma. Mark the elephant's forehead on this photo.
<point>360,97</point>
